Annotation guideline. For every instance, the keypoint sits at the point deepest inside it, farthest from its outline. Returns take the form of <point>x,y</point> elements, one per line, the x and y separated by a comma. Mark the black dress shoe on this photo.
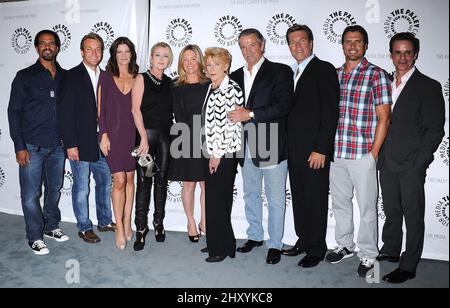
<point>293,251</point>
<point>249,245</point>
<point>220,258</point>
<point>273,256</point>
<point>385,257</point>
<point>140,239</point>
<point>399,276</point>
<point>204,250</point>
<point>309,261</point>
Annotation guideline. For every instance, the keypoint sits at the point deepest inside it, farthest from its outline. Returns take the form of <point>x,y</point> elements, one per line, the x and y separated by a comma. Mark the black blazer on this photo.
<point>78,114</point>
<point>270,99</point>
<point>417,125</point>
<point>313,119</point>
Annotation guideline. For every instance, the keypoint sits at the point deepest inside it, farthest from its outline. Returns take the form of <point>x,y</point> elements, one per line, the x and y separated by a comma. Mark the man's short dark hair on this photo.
<point>92,36</point>
<point>296,28</point>
<point>405,36</point>
<point>251,31</point>
<point>49,32</point>
<point>356,28</point>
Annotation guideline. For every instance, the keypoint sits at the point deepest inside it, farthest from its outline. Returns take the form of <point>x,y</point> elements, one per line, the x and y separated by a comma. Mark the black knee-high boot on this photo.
<point>160,197</point>
<point>143,192</point>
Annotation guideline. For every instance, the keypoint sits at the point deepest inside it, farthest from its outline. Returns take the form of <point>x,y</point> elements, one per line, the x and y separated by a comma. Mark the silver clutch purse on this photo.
<point>147,162</point>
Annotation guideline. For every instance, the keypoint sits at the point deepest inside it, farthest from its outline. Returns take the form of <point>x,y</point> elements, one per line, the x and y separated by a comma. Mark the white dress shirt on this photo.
<point>396,91</point>
<point>249,78</point>
<point>300,67</point>
<point>94,75</point>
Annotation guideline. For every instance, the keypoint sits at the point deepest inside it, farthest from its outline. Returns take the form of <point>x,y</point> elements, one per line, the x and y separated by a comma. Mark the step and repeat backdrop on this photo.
<point>218,23</point>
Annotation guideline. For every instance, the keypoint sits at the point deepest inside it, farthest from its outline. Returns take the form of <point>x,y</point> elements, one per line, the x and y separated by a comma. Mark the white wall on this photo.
<point>217,23</point>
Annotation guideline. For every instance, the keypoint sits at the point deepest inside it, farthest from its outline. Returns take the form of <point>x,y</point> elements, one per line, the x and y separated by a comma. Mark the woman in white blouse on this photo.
<point>222,139</point>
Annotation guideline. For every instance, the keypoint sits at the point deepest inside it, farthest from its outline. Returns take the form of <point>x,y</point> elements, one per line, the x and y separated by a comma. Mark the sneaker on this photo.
<point>108,227</point>
<point>39,248</point>
<point>339,254</point>
<point>57,235</point>
<point>365,268</point>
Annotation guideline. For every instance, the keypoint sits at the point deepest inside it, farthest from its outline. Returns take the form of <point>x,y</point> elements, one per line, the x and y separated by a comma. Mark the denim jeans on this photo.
<point>80,192</point>
<point>275,189</point>
<point>45,163</point>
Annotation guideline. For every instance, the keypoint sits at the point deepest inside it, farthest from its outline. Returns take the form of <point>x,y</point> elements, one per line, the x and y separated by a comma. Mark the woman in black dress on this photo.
<point>152,104</point>
<point>188,164</point>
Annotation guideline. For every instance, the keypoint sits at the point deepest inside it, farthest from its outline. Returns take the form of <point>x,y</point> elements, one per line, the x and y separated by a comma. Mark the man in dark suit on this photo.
<point>417,128</point>
<point>268,89</point>
<point>311,131</point>
<point>78,128</point>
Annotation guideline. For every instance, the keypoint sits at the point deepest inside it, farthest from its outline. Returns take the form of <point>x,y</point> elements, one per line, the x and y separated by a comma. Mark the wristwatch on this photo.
<point>251,114</point>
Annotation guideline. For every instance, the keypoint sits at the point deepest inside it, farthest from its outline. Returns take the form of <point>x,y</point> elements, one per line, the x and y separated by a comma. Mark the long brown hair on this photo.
<point>112,66</point>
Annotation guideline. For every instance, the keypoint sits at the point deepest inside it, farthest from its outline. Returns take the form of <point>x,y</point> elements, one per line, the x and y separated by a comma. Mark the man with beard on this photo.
<point>33,126</point>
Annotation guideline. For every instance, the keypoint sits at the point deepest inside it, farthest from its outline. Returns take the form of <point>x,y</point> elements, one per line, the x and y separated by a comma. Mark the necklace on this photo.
<point>155,81</point>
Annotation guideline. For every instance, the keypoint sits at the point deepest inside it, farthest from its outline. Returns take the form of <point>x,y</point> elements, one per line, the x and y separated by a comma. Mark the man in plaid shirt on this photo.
<point>364,116</point>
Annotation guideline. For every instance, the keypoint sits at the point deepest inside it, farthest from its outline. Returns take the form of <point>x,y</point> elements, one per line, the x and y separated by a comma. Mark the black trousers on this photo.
<point>310,205</point>
<point>403,196</point>
<point>219,188</point>
<point>159,141</point>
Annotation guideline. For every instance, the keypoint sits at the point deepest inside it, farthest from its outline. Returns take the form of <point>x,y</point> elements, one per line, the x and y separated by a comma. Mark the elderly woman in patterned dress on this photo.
<point>222,140</point>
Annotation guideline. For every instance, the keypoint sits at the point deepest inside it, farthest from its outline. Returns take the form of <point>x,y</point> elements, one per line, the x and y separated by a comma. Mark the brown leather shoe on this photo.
<point>89,237</point>
<point>109,227</point>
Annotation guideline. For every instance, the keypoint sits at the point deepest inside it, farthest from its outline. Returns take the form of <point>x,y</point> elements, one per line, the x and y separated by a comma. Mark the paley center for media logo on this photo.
<point>227,30</point>
<point>401,20</point>
<point>277,27</point>
<point>441,211</point>
<point>2,177</point>
<point>335,24</point>
<point>179,32</point>
<point>21,40</point>
<point>106,31</point>
<point>64,35</point>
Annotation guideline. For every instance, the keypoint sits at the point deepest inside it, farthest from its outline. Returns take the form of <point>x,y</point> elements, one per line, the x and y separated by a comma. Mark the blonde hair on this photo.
<point>182,80</point>
<point>222,54</point>
<point>162,45</point>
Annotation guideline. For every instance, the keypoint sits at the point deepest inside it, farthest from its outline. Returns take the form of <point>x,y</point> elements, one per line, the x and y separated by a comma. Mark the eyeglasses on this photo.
<point>406,54</point>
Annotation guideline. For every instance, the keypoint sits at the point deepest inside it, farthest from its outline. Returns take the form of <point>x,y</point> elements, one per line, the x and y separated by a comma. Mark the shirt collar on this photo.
<point>91,71</point>
<point>360,66</point>
<point>405,77</point>
<point>302,65</point>
<point>39,67</point>
<point>224,84</point>
<point>256,67</point>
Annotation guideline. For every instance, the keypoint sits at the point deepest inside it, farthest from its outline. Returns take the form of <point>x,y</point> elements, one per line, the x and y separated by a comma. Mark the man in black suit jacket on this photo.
<point>417,128</point>
<point>268,89</point>
<point>311,131</point>
<point>78,128</point>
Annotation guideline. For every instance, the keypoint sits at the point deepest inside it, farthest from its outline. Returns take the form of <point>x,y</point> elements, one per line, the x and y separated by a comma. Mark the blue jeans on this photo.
<point>80,192</point>
<point>48,164</point>
<point>275,189</point>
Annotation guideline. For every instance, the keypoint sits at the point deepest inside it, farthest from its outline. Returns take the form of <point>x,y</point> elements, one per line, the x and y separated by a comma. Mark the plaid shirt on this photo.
<point>362,90</point>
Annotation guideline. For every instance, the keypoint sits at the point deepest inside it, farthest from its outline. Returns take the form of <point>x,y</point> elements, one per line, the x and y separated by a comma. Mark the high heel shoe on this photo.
<point>201,230</point>
<point>129,238</point>
<point>160,233</point>
<point>193,238</point>
<point>140,239</point>
<point>121,243</point>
